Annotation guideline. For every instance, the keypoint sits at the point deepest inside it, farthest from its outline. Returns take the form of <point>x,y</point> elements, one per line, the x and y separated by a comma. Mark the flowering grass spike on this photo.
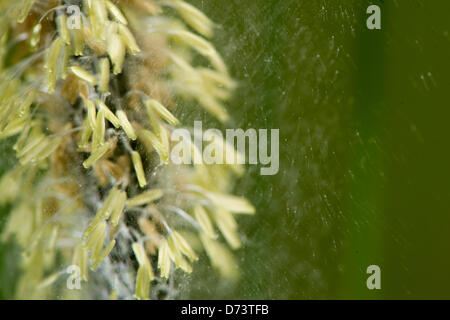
<point>89,101</point>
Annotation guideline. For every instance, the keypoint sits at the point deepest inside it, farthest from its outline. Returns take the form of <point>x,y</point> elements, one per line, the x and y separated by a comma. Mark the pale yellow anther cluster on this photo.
<point>92,248</point>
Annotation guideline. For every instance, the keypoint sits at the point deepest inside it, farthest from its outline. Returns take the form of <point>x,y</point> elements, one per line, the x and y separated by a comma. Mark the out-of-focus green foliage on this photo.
<point>9,268</point>
<point>363,118</point>
<point>9,250</point>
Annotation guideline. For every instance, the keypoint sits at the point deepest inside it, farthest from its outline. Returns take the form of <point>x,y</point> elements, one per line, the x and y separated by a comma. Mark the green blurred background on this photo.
<point>364,159</point>
<point>364,170</point>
